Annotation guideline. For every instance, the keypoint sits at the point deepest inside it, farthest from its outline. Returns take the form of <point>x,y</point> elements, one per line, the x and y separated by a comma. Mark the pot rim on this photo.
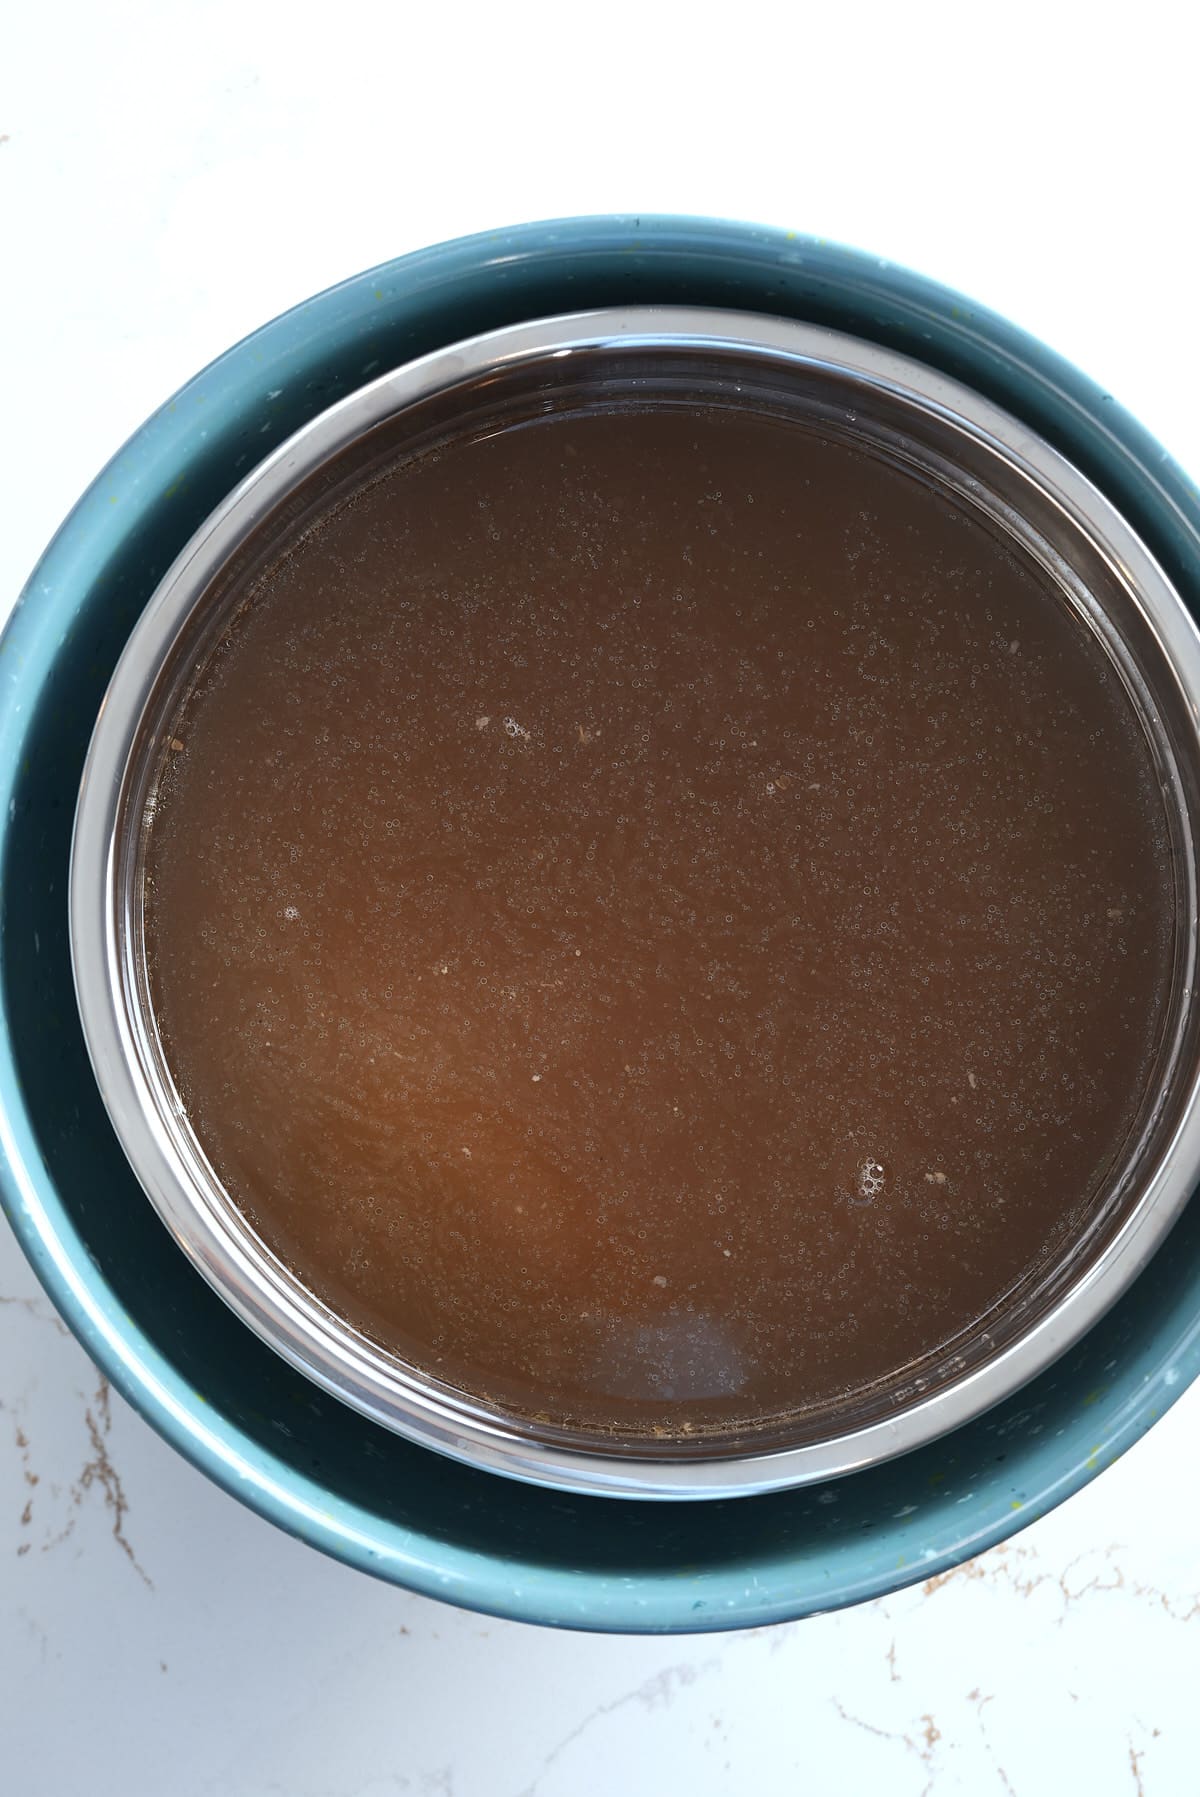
<point>1012,466</point>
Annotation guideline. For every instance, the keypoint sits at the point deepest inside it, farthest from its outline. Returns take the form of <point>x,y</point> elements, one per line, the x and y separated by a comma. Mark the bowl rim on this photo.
<point>996,357</point>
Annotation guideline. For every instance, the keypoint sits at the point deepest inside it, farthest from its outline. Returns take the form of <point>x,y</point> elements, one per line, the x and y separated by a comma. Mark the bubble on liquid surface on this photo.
<point>871,1178</point>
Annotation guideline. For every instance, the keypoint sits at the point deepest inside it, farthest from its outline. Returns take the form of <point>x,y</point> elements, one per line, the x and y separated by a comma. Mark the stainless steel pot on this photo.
<point>855,390</point>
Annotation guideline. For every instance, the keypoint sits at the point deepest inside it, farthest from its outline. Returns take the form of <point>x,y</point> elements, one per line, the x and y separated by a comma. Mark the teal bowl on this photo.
<point>152,1324</point>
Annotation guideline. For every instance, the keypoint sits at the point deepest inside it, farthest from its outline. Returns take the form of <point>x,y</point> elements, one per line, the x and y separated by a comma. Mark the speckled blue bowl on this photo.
<point>167,1342</point>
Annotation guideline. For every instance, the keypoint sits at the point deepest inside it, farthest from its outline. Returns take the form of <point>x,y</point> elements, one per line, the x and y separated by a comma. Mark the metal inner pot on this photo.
<point>853,391</point>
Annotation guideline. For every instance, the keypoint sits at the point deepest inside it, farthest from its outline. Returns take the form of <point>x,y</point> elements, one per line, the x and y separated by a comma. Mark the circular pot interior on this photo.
<point>262,1429</point>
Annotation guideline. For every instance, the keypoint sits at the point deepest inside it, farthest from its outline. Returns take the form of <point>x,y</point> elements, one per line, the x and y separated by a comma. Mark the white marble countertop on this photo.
<point>169,178</point>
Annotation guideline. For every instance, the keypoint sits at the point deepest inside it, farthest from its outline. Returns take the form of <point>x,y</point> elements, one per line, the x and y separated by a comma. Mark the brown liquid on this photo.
<point>662,919</point>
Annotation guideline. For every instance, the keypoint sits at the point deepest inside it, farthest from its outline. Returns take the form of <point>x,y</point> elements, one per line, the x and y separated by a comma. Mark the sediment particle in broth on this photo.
<point>660,918</point>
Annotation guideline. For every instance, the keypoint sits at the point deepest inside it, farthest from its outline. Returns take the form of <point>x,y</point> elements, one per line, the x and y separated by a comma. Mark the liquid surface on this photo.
<point>660,919</point>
